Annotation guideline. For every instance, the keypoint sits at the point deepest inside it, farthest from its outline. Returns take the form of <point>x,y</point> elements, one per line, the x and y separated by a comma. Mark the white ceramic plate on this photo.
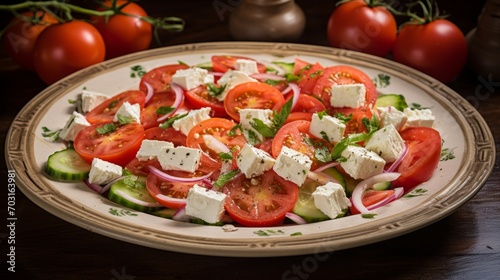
<point>454,182</point>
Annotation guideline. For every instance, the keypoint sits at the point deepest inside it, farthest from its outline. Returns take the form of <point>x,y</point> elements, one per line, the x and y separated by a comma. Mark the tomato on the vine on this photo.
<point>124,34</point>
<point>55,58</point>
<point>437,48</point>
<point>362,25</point>
<point>20,37</point>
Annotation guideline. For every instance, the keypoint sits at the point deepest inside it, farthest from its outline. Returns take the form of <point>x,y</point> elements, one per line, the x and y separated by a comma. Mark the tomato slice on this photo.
<point>149,117</point>
<point>200,98</point>
<point>371,197</point>
<point>424,152</point>
<point>295,135</point>
<point>307,103</point>
<point>252,95</point>
<point>159,78</point>
<point>180,190</point>
<point>105,112</point>
<point>169,134</point>
<point>222,63</point>
<point>308,76</point>
<point>355,124</point>
<point>260,201</point>
<point>119,146</point>
<point>342,75</point>
<point>219,128</point>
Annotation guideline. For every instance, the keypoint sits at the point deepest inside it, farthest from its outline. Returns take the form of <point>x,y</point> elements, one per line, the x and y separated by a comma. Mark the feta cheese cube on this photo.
<point>253,161</point>
<point>327,127</point>
<point>390,115</point>
<point>103,172</point>
<point>91,99</point>
<point>331,199</point>
<point>361,163</point>
<point>127,110</point>
<point>350,95</point>
<point>180,158</point>
<point>247,116</point>
<point>205,204</point>
<point>292,165</point>
<point>419,117</point>
<point>230,79</point>
<point>150,149</point>
<point>192,77</point>
<point>75,124</point>
<point>193,118</point>
<point>387,143</point>
<point>246,66</point>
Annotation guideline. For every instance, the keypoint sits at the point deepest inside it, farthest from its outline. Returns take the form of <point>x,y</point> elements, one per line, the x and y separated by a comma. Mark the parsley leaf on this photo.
<point>53,135</point>
<point>214,90</point>
<point>168,123</point>
<point>124,119</point>
<point>106,128</point>
<point>225,156</point>
<point>225,177</point>
<point>279,119</point>
<point>371,125</point>
<point>382,80</point>
<point>163,110</point>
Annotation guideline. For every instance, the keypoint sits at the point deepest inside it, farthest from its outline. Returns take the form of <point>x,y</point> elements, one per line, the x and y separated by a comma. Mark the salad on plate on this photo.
<point>250,143</point>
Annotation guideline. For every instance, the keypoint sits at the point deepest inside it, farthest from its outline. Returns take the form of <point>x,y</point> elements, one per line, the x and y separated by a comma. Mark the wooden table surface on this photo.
<point>464,245</point>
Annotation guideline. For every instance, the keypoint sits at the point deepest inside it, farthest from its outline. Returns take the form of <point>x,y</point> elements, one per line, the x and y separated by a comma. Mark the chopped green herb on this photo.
<point>316,73</point>
<point>124,119</point>
<point>416,106</point>
<point>52,135</point>
<point>447,154</point>
<point>343,118</point>
<point>279,119</point>
<point>323,154</point>
<point>368,216</point>
<point>272,82</point>
<point>268,232</point>
<point>226,156</point>
<point>182,62</point>
<point>371,125</point>
<point>137,71</point>
<point>415,193</point>
<point>291,77</point>
<point>168,123</point>
<point>234,130</point>
<point>322,114</point>
<point>382,80</point>
<point>112,104</point>
<point>296,233</point>
<point>106,128</point>
<point>214,90</point>
<point>163,110</point>
<point>225,177</point>
<point>324,136</point>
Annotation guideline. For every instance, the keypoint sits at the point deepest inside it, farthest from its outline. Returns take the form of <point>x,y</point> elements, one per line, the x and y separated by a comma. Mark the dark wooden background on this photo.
<point>464,245</point>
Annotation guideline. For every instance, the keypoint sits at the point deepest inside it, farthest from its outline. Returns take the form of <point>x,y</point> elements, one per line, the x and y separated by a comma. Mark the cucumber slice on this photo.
<point>165,213</point>
<point>67,165</point>
<point>131,192</point>
<point>335,174</point>
<point>304,207</point>
<point>382,186</point>
<point>396,100</point>
<point>287,66</point>
<point>205,65</point>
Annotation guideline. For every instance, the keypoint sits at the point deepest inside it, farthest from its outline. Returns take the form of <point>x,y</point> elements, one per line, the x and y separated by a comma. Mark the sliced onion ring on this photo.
<point>149,93</point>
<point>180,215</point>
<point>95,187</point>
<point>295,218</point>
<point>398,161</point>
<point>359,190</point>
<point>179,98</point>
<point>215,144</point>
<point>296,93</point>
<point>168,177</point>
<point>108,185</point>
<point>326,166</point>
<point>279,70</point>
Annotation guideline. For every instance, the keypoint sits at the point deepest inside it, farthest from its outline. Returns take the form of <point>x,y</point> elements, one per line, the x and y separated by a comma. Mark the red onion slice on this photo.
<point>296,93</point>
<point>149,93</point>
<point>295,218</point>
<point>180,215</point>
<point>95,187</point>
<point>179,98</point>
<point>168,177</point>
<point>326,166</point>
<point>359,190</point>
<point>108,185</point>
<point>215,144</point>
<point>398,161</point>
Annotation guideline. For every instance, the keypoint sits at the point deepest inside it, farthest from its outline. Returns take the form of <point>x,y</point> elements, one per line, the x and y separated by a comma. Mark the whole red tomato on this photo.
<point>360,25</point>
<point>20,37</point>
<point>437,48</point>
<point>62,49</point>
<point>124,34</point>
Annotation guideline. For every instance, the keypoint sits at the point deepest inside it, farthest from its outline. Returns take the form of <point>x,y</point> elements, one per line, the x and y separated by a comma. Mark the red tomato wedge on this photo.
<point>179,190</point>
<point>105,112</point>
<point>261,201</point>
<point>159,78</point>
<point>254,95</point>
<point>424,152</point>
<point>118,147</point>
<point>222,63</point>
<point>308,76</point>
<point>307,103</point>
<point>220,129</point>
<point>199,98</point>
<point>295,135</point>
<point>342,75</point>
<point>169,135</point>
<point>149,116</point>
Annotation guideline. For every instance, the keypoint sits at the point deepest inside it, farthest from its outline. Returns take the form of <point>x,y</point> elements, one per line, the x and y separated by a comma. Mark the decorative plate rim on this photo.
<point>476,167</point>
